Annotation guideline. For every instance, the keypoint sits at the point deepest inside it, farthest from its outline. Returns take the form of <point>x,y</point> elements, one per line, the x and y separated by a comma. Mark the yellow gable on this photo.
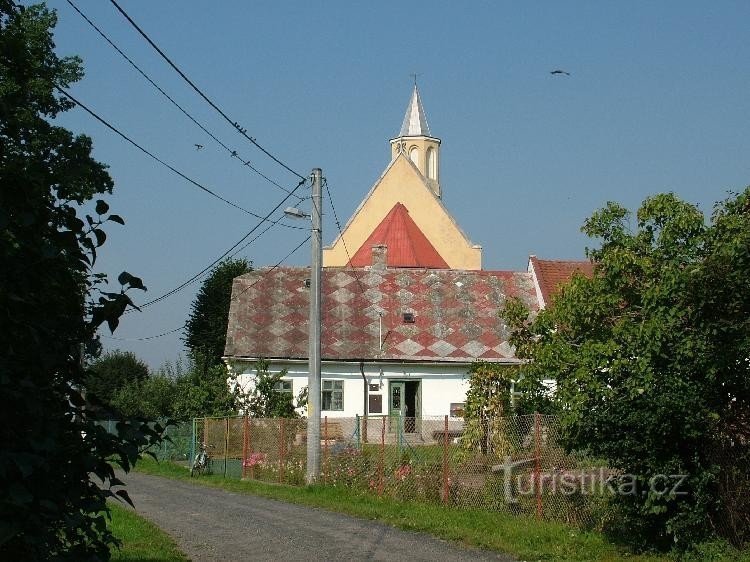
<point>403,183</point>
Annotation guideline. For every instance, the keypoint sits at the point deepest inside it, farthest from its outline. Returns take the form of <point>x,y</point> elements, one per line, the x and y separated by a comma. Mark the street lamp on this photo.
<point>294,212</point>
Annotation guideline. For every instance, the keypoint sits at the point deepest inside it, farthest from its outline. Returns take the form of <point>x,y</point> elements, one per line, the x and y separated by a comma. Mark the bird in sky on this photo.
<point>558,71</point>
<point>198,146</point>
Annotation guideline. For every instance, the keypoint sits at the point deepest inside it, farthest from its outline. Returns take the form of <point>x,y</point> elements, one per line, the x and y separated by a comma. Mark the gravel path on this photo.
<point>211,524</point>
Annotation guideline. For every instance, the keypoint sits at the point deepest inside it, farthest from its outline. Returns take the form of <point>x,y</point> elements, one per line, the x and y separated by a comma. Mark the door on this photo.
<point>396,406</point>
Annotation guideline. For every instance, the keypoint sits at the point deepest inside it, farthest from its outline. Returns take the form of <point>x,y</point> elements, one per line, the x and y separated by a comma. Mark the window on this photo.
<point>333,395</point>
<point>284,387</point>
<point>408,318</point>
<point>414,155</point>
<point>431,164</point>
<point>457,409</point>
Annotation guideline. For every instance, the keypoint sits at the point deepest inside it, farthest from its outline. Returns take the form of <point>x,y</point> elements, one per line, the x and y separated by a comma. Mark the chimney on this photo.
<point>380,257</point>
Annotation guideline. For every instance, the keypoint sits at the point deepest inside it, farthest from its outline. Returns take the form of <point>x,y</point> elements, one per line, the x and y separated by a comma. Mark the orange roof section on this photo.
<point>407,244</point>
<point>551,274</point>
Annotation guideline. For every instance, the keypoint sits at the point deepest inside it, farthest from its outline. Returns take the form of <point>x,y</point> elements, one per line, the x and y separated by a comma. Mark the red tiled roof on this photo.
<point>550,274</point>
<point>407,244</point>
<point>455,314</point>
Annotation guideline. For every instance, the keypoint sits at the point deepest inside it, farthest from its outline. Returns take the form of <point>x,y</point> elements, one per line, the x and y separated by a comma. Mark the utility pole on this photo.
<point>313,378</point>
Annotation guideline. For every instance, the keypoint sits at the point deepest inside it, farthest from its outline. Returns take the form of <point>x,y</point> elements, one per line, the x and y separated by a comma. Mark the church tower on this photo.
<point>402,221</point>
<point>415,141</point>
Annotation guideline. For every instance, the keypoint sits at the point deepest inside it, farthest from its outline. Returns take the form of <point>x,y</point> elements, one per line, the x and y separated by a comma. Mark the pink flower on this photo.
<point>254,459</point>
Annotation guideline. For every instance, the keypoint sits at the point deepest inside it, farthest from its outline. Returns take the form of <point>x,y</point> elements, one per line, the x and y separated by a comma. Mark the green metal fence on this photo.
<point>177,443</point>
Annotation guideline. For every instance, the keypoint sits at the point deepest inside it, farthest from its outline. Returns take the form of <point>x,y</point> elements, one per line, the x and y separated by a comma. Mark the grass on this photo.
<point>525,538</point>
<point>141,540</point>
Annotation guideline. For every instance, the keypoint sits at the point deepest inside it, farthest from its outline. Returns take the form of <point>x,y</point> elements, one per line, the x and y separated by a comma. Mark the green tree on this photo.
<point>206,329</point>
<point>54,466</point>
<point>203,389</point>
<point>266,399</point>
<point>182,391</point>
<point>150,398</point>
<point>487,404</point>
<point>110,373</point>
<point>650,357</point>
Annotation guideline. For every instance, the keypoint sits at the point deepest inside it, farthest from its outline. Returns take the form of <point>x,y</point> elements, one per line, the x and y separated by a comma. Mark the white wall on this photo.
<point>441,384</point>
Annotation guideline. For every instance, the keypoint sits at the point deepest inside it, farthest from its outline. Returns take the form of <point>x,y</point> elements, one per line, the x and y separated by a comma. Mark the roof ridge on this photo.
<point>537,258</point>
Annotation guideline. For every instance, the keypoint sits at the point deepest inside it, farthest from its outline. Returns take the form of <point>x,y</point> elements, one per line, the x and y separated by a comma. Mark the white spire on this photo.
<point>415,121</point>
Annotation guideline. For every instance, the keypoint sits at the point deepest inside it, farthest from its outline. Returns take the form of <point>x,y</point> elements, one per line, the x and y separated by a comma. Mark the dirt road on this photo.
<point>211,524</point>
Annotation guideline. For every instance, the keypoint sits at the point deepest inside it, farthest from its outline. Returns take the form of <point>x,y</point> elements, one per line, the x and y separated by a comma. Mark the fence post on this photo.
<point>325,450</point>
<point>226,444</point>
<point>382,460</point>
<point>281,450</point>
<point>250,445</point>
<point>192,446</point>
<point>446,489</point>
<point>244,446</point>
<point>537,465</point>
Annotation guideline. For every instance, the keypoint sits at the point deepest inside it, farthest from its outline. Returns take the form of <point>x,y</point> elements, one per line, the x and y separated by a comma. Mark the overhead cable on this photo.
<point>233,153</point>
<point>208,100</point>
<point>179,328</point>
<point>169,166</point>
<point>222,256</point>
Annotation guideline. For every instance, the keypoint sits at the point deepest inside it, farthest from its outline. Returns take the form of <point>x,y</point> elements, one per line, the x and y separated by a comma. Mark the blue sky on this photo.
<point>658,100</point>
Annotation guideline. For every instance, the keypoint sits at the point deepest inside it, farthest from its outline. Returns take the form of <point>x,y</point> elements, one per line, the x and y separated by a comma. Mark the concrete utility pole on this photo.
<point>313,378</point>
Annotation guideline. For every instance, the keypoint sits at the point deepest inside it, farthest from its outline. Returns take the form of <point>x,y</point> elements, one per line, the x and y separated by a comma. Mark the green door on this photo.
<point>396,407</point>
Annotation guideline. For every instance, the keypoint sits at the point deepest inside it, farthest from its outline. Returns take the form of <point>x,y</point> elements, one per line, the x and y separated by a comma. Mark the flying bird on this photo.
<point>198,146</point>
<point>558,71</point>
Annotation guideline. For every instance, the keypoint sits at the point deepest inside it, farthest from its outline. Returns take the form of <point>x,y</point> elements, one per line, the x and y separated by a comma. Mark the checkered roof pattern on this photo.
<point>455,314</point>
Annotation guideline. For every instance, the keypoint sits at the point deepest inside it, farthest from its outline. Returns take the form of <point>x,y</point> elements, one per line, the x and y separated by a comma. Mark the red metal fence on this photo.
<point>513,464</point>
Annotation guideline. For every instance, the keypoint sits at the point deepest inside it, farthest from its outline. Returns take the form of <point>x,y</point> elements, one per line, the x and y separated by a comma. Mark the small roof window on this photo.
<point>409,318</point>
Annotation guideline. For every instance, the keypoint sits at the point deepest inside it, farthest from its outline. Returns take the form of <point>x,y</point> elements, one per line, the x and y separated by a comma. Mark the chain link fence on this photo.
<point>513,464</point>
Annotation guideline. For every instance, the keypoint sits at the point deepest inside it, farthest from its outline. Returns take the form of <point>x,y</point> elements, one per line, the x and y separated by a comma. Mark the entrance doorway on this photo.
<point>405,404</point>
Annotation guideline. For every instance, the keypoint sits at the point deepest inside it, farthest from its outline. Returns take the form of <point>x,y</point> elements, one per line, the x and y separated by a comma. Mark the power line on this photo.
<point>232,153</point>
<point>336,219</point>
<point>341,234</point>
<point>169,166</point>
<point>146,338</point>
<point>222,256</point>
<point>267,272</point>
<point>348,256</point>
<point>208,100</point>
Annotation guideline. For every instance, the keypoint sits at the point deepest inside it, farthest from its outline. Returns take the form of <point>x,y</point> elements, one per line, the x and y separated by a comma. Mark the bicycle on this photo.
<point>202,462</point>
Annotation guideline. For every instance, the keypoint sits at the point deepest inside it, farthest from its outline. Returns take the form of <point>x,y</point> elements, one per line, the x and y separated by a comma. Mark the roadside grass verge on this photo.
<point>524,538</point>
<point>141,540</point>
